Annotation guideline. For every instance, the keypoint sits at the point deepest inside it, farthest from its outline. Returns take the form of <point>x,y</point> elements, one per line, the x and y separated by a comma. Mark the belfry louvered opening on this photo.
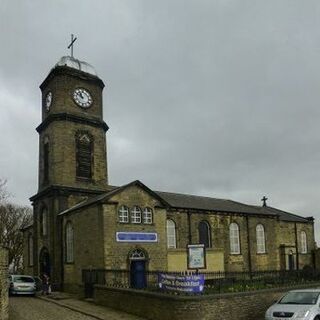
<point>84,155</point>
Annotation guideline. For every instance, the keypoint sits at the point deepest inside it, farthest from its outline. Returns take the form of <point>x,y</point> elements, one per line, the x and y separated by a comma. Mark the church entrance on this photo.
<point>44,262</point>
<point>138,279</point>
<point>291,261</point>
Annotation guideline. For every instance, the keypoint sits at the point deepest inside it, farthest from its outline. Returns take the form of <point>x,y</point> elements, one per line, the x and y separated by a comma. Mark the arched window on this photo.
<point>147,216</point>
<point>171,234</point>
<point>84,155</point>
<point>46,160</point>
<point>123,214</point>
<point>304,248</point>
<point>30,249</point>
<point>44,221</point>
<point>234,238</point>
<point>136,215</point>
<point>261,241</point>
<point>205,234</point>
<point>69,242</point>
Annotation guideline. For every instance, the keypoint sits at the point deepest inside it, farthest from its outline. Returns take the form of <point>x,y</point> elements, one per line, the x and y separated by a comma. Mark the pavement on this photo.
<point>86,307</point>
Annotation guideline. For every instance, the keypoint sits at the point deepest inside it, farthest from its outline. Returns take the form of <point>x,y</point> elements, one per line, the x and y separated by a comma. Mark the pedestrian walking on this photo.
<point>45,284</point>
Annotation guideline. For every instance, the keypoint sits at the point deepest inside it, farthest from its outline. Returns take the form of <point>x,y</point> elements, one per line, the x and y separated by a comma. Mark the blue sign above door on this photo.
<point>136,237</point>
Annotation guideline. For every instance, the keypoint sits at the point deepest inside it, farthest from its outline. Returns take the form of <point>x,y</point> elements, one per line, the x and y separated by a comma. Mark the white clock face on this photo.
<point>82,98</point>
<point>48,100</point>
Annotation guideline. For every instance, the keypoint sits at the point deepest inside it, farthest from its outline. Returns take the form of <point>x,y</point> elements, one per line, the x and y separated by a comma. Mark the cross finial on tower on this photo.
<point>264,199</point>
<point>71,44</point>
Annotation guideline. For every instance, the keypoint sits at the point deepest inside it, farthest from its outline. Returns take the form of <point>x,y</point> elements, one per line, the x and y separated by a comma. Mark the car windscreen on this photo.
<point>307,297</point>
<point>21,279</point>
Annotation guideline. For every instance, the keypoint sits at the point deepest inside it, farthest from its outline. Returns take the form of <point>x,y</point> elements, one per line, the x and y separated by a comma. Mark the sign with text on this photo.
<point>183,283</point>
<point>196,256</point>
<point>137,237</point>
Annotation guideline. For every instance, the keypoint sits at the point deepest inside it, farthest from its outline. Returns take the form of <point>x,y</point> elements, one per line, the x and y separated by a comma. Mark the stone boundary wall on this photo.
<point>154,306</point>
<point>4,300</point>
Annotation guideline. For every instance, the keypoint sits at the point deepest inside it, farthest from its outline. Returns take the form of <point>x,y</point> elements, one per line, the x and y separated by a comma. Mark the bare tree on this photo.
<point>3,190</point>
<point>12,219</point>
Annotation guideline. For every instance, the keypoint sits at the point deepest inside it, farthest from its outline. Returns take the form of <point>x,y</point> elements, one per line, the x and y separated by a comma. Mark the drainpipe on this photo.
<point>297,249</point>
<point>249,249</point>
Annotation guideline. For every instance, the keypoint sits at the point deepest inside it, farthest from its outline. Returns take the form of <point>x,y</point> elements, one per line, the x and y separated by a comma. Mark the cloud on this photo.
<point>217,98</point>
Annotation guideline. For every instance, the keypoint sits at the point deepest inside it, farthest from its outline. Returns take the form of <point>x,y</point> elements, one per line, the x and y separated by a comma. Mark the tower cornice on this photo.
<point>65,70</point>
<point>60,189</point>
<point>72,118</point>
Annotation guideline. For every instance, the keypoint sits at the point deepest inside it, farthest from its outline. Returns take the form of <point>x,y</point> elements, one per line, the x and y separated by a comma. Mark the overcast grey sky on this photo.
<point>217,98</point>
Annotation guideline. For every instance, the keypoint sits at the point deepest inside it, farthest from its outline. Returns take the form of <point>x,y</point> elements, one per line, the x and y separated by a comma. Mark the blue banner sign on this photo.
<point>137,237</point>
<point>189,283</point>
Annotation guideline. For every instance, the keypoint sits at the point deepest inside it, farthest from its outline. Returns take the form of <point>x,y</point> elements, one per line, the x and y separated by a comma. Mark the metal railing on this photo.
<point>215,282</point>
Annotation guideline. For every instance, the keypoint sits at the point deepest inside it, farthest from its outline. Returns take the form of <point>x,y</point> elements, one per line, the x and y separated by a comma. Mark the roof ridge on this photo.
<point>192,195</point>
<point>284,212</point>
<point>87,201</point>
<point>245,204</point>
<point>292,214</point>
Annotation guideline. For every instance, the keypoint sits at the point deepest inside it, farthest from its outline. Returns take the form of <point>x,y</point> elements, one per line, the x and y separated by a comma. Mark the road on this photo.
<point>29,308</point>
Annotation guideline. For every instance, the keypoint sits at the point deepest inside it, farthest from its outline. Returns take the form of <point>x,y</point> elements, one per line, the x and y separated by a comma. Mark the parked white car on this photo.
<point>296,304</point>
<point>21,284</point>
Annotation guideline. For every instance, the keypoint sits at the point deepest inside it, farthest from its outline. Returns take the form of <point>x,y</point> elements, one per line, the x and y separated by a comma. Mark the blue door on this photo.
<point>138,274</point>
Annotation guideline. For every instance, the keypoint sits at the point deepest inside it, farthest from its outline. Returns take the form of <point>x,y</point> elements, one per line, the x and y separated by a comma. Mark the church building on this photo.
<point>80,221</point>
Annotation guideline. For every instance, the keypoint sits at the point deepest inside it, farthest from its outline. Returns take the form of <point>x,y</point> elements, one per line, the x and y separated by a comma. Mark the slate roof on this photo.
<point>187,201</point>
<point>286,216</point>
<point>88,202</point>
<point>114,190</point>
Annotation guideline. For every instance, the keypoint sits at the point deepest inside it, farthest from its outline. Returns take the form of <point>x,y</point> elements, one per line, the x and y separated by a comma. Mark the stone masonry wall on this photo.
<point>117,253</point>
<point>277,233</point>
<point>155,306</point>
<point>317,258</point>
<point>61,134</point>
<point>88,245</point>
<point>4,301</point>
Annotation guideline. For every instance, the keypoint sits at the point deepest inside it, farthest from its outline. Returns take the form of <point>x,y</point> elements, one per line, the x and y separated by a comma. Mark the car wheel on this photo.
<point>317,318</point>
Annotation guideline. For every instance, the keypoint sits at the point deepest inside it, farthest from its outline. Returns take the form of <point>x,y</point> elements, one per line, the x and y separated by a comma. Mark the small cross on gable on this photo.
<point>264,200</point>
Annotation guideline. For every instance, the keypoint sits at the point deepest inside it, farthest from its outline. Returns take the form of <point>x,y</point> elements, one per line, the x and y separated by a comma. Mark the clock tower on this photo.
<point>72,156</point>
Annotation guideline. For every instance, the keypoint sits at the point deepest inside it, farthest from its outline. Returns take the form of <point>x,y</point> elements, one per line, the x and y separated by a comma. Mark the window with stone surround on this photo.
<point>84,155</point>
<point>123,214</point>
<point>205,234</point>
<point>44,221</point>
<point>147,215</point>
<point>234,238</point>
<point>46,160</point>
<point>135,215</point>
<point>261,240</point>
<point>69,242</point>
<point>303,236</point>
<point>171,234</point>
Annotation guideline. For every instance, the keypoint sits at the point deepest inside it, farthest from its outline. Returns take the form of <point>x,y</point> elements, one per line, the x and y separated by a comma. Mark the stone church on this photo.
<point>80,221</point>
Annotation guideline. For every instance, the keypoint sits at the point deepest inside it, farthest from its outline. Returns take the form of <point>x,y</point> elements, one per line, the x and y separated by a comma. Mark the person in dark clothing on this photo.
<point>45,284</point>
